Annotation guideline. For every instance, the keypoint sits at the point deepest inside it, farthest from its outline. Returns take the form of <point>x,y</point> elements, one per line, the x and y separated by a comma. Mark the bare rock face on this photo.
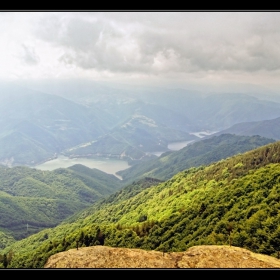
<point>205,256</point>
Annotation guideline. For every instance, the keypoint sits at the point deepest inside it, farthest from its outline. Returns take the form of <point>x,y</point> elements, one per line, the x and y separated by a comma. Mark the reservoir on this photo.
<point>110,166</point>
<point>107,165</point>
<point>173,146</point>
<point>176,146</point>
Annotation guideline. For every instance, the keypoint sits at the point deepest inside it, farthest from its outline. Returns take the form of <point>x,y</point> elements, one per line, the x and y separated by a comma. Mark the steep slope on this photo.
<point>231,202</point>
<point>6,239</point>
<point>201,152</point>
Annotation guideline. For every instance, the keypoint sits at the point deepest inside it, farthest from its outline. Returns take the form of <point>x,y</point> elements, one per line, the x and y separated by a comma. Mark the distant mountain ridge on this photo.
<point>134,139</point>
<point>215,111</point>
<point>202,152</point>
<point>34,127</point>
<point>265,128</point>
<point>38,124</point>
<point>234,201</point>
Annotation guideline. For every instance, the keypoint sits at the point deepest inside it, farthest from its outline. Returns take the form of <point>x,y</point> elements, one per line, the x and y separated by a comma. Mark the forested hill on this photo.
<point>31,200</point>
<point>233,201</point>
<point>201,152</point>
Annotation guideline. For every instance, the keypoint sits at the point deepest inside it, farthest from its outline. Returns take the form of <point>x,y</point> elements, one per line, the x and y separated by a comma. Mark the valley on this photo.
<point>236,197</point>
<point>119,122</point>
<point>110,165</point>
<point>120,168</point>
<point>139,139</point>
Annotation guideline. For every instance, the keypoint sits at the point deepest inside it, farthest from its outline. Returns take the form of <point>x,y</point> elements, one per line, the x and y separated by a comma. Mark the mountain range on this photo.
<point>197,153</point>
<point>37,124</point>
<point>230,201</point>
<point>220,189</point>
<point>265,128</point>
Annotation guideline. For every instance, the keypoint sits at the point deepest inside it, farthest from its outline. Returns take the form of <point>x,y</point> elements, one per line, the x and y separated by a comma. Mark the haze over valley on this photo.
<point>39,127</point>
<point>156,131</point>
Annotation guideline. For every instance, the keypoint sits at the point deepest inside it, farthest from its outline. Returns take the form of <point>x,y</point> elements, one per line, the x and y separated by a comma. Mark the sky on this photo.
<point>183,49</point>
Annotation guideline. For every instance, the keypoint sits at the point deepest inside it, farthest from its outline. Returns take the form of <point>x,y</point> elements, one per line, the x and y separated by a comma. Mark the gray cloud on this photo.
<point>153,43</point>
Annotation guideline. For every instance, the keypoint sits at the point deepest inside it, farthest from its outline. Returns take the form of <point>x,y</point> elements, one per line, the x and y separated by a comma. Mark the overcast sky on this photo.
<point>161,48</point>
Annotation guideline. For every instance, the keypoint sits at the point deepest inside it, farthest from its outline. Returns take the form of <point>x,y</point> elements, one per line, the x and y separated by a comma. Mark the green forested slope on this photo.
<point>233,201</point>
<point>199,153</point>
<point>31,200</point>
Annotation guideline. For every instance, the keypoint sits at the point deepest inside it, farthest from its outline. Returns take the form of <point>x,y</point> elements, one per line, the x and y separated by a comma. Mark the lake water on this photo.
<point>176,146</point>
<point>110,166</point>
<point>107,165</point>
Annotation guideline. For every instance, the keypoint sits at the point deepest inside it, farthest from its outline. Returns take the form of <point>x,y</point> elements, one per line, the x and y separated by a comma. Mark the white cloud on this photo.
<point>186,46</point>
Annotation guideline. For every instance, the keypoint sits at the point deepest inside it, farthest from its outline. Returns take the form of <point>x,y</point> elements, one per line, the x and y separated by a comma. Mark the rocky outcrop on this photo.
<point>205,256</point>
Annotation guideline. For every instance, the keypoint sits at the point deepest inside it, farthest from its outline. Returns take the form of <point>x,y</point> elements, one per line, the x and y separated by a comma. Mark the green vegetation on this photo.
<point>233,201</point>
<point>199,153</point>
<point>5,240</point>
<point>31,200</point>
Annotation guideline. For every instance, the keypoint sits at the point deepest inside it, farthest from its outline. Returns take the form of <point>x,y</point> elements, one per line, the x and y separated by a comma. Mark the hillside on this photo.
<point>265,128</point>
<point>228,109</point>
<point>201,152</point>
<point>234,201</point>
<point>214,111</point>
<point>39,125</point>
<point>31,200</point>
<point>184,109</point>
<point>133,138</point>
<point>204,256</point>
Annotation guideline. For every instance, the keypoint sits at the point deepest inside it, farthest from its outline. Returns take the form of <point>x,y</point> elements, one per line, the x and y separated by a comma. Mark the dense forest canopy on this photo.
<point>234,200</point>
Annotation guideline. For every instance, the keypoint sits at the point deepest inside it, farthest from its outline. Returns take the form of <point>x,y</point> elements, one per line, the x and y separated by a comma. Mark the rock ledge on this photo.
<point>204,256</point>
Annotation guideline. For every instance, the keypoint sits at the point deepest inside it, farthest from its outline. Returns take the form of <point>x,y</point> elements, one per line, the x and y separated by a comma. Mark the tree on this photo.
<point>230,229</point>
<point>5,261</point>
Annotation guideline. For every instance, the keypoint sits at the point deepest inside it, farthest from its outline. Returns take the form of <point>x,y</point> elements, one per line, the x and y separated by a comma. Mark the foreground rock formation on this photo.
<point>205,256</point>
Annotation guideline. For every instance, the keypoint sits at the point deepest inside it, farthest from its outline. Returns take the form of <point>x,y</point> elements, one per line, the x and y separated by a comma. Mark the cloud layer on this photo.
<point>214,46</point>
